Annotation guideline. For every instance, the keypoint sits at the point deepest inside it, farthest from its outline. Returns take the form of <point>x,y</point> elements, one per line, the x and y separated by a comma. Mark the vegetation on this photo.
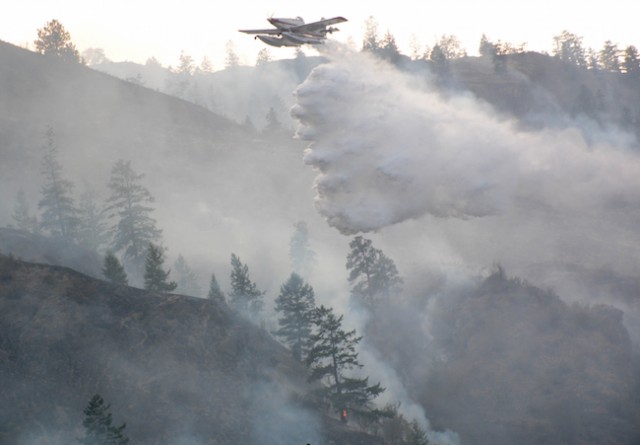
<point>98,425</point>
<point>186,278</point>
<point>92,222</point>
<point>59,214</point>
<point>113,270</point>
<point>332,352</point>
<point>155,277</point>
<point>22,215</point>
<point>134,229</point>
<point>244,298</point>
<point>373,275</point>
<point>316,336</point>
<point>295,305</point>
<point>54,40</point>
<point>215,293</point>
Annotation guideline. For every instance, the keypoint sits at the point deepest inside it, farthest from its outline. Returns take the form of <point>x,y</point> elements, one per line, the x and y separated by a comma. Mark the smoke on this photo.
<point>390,151</point>
<point>387,147</point>
<point>455,185</point>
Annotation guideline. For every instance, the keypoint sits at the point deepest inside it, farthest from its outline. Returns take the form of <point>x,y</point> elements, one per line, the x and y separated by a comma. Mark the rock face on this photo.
<point>177,369</point>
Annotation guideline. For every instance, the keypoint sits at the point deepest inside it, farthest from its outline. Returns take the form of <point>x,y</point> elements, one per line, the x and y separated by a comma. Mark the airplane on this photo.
<point>295,32</point>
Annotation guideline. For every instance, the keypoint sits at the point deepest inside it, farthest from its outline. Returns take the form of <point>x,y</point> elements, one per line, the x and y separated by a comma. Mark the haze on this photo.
<point>501,192</point>
<point>138,30</point>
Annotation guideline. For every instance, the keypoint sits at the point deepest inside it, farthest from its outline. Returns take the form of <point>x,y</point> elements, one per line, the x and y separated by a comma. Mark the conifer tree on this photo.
<point>263,57</point>
<point>568,47</point>
<point>609,57</point>
<point>155,277</point>
<point>186,278</point>
<point>92,223</point>
<point>215,293</point>
<point>332,352</point>
<point>135,228</point>
<point>59,214</point>
<point>54,40</point>
<point>244,297</point>
<point>113,270</point>
<point>417,435</point>
<point>98,428</point>
<point>374,275</point>
<point>631,62</point>
<point>296,304</point>
<point>388,48</point>
<point>370,40</point>
<point>22,216</point>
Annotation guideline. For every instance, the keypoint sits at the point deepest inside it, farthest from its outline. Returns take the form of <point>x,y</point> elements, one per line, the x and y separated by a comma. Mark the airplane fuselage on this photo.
<point>286,24</point>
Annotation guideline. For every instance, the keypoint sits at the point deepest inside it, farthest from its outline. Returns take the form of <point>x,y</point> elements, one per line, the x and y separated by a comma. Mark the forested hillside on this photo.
<point>492,298</point>
<point>177,369</point>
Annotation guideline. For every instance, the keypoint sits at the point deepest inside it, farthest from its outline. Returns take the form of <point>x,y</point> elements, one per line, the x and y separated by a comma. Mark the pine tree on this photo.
<point>609,57</point>
<point>231,59</point>
<point>296,304</point>
<point>417,435</point>
<point>370,40</point>
<point>55,40</point>
<point>186,278</point>
<point>388,48</point>
<point>59,214</point>
<point>332,352</point>
<point>98,428</point>
<point>568,47</point>
<point>300,253</point>
<point>374,276</point>
<point>92,224</point>
<point>487,48</point>
<point>155,277</point>
<point>215,293</point>
<point>263,57</point>
<point>113,270</point>
<point>135,228</point>
<point>244,297</point>
<point>206,66</point>
<point>631,62</point>
<point>22,216</point>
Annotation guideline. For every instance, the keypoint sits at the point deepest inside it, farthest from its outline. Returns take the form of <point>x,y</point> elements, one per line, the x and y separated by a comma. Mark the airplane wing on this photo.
<point>272,31</point>
<point>318,26</point>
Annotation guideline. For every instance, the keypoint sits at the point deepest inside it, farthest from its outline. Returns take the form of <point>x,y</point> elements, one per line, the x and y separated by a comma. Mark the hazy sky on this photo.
<point>138,29</point>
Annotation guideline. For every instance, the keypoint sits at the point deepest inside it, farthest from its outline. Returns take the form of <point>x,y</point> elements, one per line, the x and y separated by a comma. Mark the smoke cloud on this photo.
<point>387,148</point>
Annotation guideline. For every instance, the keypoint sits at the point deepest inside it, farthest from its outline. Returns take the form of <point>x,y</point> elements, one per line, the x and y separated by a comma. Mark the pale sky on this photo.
<point>138,29</point>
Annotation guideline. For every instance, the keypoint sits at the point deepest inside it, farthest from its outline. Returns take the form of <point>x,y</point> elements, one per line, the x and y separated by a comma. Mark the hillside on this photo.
<point>536,89</point>
<point>42,249</point>
<point>96,118</point>
<point>177,369</point>
<point>210,177</point>
<point>240,93</point>
<point>493,359</point>
<point>515,364</point>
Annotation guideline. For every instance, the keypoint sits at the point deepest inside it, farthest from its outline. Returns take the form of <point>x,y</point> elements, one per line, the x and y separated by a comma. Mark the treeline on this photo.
<point>316,337</point>
<point>122,224</point>
<point>53,39</point>
<point>122,229</point>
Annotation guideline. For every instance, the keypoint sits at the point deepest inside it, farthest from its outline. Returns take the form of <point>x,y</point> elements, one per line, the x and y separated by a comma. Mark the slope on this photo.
<point>177,369</point>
